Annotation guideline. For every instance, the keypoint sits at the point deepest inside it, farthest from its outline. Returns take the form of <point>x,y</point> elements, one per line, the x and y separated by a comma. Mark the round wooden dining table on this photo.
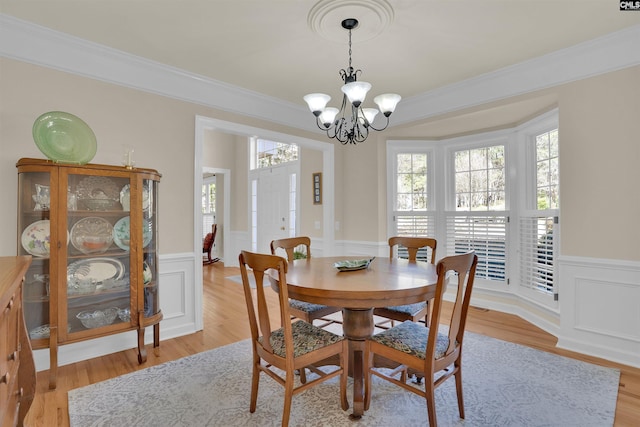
<point>385,282</point>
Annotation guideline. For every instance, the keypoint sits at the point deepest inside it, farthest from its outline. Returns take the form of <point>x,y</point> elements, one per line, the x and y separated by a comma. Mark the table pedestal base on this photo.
<point>357,326</point>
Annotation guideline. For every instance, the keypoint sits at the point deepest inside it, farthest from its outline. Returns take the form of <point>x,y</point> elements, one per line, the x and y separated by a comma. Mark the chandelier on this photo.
<point>350,125</point>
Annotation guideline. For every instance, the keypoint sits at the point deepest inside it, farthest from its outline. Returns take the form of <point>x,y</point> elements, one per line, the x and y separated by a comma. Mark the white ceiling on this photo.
<point>276,48</point>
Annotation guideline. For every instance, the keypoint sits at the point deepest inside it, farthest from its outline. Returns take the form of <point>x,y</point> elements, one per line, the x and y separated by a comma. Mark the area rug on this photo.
<point>504,385</point>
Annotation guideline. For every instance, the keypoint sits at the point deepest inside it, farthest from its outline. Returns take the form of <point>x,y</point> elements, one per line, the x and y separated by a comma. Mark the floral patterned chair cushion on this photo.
<point>409,309</point>
<point>411,338</point>
<point>306,338</point>
<point>307,307</point>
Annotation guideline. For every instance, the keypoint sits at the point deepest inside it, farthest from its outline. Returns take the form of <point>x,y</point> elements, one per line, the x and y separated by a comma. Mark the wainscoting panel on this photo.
<point>600,308</point>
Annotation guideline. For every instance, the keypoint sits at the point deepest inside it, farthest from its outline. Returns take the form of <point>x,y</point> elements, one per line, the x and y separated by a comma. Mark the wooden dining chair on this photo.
<point>300,309</point>
<point>428,350</point>
<point>290,347</point>
<point>413,312</point>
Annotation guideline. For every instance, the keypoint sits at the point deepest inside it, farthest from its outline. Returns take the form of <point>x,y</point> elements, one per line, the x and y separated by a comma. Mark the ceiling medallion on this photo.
<point>326,15</point>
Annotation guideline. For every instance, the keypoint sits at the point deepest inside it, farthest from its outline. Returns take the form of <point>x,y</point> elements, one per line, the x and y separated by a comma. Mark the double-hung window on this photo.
<point>413,211</point>
<point>539,218</point>
<point>477,216</point>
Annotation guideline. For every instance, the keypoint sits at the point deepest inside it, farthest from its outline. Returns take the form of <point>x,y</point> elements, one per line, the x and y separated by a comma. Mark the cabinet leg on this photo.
<point>142,351</point>
<point>53,357</point>
<point>156,339</point>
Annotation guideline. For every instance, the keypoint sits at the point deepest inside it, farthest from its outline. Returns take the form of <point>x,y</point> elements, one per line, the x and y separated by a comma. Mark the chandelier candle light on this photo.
<point>353,129</point>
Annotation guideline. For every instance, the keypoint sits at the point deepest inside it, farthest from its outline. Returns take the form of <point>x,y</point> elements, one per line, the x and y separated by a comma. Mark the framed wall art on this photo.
<point>317,188</point>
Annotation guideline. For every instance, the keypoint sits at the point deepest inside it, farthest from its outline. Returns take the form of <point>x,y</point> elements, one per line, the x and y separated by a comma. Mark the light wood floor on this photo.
<point>225,323</point>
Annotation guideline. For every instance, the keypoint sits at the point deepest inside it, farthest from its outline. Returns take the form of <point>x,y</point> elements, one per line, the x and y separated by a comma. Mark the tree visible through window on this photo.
<point>547,170</point>
<point>537,246</point>
<point>272,153</point>
<point>480,179</point>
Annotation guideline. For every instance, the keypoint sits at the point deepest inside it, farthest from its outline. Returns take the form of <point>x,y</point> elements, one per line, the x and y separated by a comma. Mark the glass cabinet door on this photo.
<point>34,238</point>
<point>98,257</point>
<point>150,267</point>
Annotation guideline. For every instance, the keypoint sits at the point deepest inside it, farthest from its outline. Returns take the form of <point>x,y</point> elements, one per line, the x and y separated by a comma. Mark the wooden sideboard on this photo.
<point>17,368</point>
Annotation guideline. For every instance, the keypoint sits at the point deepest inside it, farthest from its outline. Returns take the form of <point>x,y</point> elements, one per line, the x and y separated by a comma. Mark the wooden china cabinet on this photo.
<point>93,233</point>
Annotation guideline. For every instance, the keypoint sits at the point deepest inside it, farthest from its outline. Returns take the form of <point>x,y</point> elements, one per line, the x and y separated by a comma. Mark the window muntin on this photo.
<point>411,182</point>
<point>480,179</point>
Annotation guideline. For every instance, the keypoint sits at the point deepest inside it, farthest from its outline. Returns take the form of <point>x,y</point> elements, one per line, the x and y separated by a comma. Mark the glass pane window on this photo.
<point>411,182</point>
<point>480,179</point>
<point>208,206</point>
<point>271,153</point>
<point>547,185</point>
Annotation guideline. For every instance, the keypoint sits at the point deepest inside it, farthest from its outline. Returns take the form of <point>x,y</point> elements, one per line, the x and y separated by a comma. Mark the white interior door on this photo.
<point>276,205</point>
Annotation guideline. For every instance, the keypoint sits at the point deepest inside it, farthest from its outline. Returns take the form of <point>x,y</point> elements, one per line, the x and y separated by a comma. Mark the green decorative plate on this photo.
<point>121,236</point>
<point>352,265</point>
<point>64,138</point>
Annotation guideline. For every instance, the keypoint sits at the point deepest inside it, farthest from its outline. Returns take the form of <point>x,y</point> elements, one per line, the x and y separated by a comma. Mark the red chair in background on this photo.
<point>207,246</point>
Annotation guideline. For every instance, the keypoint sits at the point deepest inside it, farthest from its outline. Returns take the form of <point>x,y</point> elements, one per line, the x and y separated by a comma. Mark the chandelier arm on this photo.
<point>382,128</point>
<point>320,125</point>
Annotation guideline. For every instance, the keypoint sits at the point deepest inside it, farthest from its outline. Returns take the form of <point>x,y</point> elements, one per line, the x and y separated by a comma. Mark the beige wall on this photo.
<point>600,166</point>
<point>310,163</point>
<point>599,131</point>
<point>221,150</point>
<point>160,129</point>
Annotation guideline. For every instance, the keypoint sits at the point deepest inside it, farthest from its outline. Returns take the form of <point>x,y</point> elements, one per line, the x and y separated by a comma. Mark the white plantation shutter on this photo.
<point>485,234</point>
<point>537,249</point>
<point>415,225</point>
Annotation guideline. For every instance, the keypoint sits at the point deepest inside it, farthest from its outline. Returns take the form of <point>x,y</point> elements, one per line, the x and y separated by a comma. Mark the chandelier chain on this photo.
<point>350,68</point>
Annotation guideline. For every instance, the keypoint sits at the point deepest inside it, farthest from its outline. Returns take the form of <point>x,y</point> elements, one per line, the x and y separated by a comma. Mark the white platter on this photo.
<point>95,269</point>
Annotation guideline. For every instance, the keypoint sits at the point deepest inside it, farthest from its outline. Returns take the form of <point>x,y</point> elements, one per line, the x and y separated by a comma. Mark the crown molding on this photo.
<point>612,52</point>
<point>27,42</point>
